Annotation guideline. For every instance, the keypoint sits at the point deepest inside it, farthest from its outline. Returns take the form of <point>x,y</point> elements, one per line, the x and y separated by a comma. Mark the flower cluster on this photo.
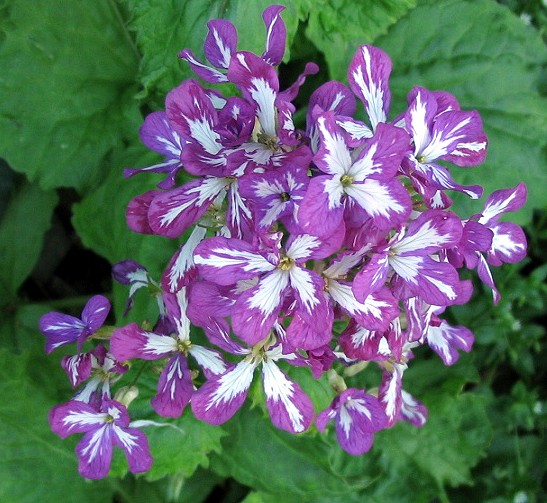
<point>327,247</point>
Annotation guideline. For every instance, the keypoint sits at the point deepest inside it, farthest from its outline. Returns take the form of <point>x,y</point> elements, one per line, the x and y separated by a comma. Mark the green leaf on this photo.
<point>338,27</point>
<point>164,29</point>
<point>36,464</point>
<point>66,88</point>
<point>291,467</point>
<point>179,447</point>
<point>491,61</point>
<point>22,227</point>
<point>99,220</point>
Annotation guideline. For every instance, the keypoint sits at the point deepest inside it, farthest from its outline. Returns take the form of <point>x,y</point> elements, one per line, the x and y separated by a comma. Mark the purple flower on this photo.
<point>222,396</point>
<point>447,134</point>
<point>221,45</point>
<point>410,256</point>
<point>226,261</point>
<point>61,329</point>
<point>361,182</point>
<point>175,386</point>
<point>357,416</point>
<point>99,368</point>
<point>103,429</point>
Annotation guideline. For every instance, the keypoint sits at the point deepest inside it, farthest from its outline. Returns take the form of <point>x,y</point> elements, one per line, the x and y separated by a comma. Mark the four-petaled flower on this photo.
<point>103,429</point>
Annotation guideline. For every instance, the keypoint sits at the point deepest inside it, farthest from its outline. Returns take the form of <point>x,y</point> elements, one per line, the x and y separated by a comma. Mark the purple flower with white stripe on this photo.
<point>356,181</point>
<point>62,329</point>
<point>99,368</point>
<point>275,196</point>
<point>222,396</point>
<point>357,416</point>
<point>221,45</point>
<point>227,261</point>
<point>103,429</point>
<point>411,258</point>
<point>175,387</point>
<point>441,134</point>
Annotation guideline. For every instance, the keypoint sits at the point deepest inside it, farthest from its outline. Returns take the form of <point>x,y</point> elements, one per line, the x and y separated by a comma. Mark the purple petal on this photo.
<point>135,445</point>
<point>225,261</point>
<point>132,341</point>
<point>75,417</point>
<point>94,453</point>
<point>503,201</point>
<point>220,43</point>
<point>95,312</point>
<point>175,388</point>
<point>210,361</point>
<point>128,272</point>
<point>276,35</point>
<point>419,118</point>
<point>174,211</point>
<point>206,300</point>
<point>321,210</point>
<point>60,329</point>
<point>258,308</point>
<point>305,335</point>
<point>221,397</point>
<point>390,392</point>
<point>203,71</point>
<point>368,77</point>
<point>333,97</point>
<point>77,367</point>
<point>291,92</point>
<point>459,137</point>
<point>289,407</point>
<point>432,231</point>
<point>371,277</point>
<point>412,410</point>
<point>363,344</point>
<point>360,416</point>
<point>158,135</point>
<point>258,82</point>
<point>376,311</point>
<point>191,112</point>
<point>445,340</point>
<point>136,213</point>
<point>437,283</point>
<point>308,288</point>
<point>181,269</point>
<point>508,244</point>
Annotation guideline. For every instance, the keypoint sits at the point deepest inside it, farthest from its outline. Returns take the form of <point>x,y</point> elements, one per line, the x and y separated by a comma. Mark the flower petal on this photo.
<point>225,261</point>
<point>175,388</point>
<point>368,77</point>
<point>221,397</point>
<point>289,407</point>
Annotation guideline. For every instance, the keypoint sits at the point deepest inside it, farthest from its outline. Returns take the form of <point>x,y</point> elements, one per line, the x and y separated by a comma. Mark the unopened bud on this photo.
<point>126,395</point>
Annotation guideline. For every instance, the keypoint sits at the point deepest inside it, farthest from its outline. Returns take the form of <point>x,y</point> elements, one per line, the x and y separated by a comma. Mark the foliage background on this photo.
<point>76,80</point>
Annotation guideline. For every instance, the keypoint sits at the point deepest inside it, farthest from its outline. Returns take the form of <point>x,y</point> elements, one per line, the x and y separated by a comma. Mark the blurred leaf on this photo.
<point>36,464</point>
<point>338,27</point>
<point>65,89</point>
<point>491,61</point>
<point>22,227</point>
<point>164,29</point>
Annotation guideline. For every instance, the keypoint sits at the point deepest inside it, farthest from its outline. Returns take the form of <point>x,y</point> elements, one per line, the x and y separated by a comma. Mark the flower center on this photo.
<point>284,196</point>
<point>346,180</point>
<point>285,263</point>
